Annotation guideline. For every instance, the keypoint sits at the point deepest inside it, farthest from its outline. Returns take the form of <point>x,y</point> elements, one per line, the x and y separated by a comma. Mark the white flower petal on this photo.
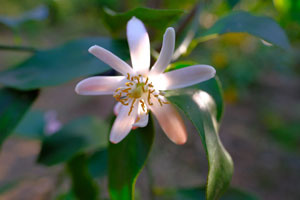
<point>112,60</point>
<point>117,108</point>
<point>170,121</point>
<point>183,77</point>
<point>99,85</point>
<point>123,124</point>
<point>143,119</point>
<point>166,52</point>
<point>139,45</point>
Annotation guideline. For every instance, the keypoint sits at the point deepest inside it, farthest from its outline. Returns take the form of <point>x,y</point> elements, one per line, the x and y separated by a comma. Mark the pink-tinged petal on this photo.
<point>166,52</point>
<point>183,77</point>
<point>170,122</point>
<point>139,45</point>
<point>112,60</point>
<point>99,85</point>
<point>123,124</point>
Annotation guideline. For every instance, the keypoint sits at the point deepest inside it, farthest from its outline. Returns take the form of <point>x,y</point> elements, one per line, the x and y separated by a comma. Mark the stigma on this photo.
<point>138,91</point>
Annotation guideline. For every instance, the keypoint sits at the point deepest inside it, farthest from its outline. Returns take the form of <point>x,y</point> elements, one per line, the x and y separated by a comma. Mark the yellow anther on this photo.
<point>128,84</point>
<point>150,85</point>
<point>137,119</point>
<point>117,89</point>
<point>128,76</point>
<point>117,96</point>
<point>137,78</point>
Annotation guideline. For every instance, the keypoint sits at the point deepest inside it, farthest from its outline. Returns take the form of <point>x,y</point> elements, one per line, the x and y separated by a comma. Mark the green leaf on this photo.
<point>83,134</point>
<point>32,125</point>
<point>159,19</point>
<point>98,163</point>
<point>214,89</point>
<point>200,108</point>
<point>37,14</point>
<point>59,65</point>
<point>83,185</point>
<point>13,105</point>
<point>243,22</point>
<point>198,193</point>
<point>126,160</point>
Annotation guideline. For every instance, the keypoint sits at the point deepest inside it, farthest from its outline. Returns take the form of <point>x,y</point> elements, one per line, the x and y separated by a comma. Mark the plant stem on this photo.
<point>17,48</point>
<point>188,18</point>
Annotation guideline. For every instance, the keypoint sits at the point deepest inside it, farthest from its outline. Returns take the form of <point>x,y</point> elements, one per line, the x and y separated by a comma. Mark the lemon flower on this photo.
<point>140,88</point>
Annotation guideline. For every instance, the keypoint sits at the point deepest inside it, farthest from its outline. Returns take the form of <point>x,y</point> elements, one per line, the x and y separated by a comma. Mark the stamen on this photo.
<point>137,119</point>
<point>149,97</point>
<point>118,97</point>
<point>137,78</point>
<point>160,102</point>
<point>126,90</point>
<point>143,105</point>
<point>138,90</point>
<point>128,84</point>
<point>124,103</point>
<point>150,85</point>
<point>131,107</point>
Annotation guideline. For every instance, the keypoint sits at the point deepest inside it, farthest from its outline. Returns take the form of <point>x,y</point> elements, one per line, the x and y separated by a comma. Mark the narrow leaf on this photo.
<point>32,125</point>
<point>83,185</point>
<point>126,160</point>
<point>62,64</point>
<point>13,105</point>
<point>200,108</point>
<point>244,22</point>
<point>159,19</point>
<point>97,163</point>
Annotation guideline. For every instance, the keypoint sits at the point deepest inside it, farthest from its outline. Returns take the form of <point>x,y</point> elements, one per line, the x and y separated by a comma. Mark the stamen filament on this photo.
<point>128,76</point>
<point>131,107</point>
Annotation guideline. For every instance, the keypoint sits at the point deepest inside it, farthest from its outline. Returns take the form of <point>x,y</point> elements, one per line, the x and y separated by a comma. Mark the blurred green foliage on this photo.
<point>241,61</point>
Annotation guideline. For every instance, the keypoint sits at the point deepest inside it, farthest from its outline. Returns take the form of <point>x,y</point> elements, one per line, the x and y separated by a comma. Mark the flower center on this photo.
<point>138,91</point>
